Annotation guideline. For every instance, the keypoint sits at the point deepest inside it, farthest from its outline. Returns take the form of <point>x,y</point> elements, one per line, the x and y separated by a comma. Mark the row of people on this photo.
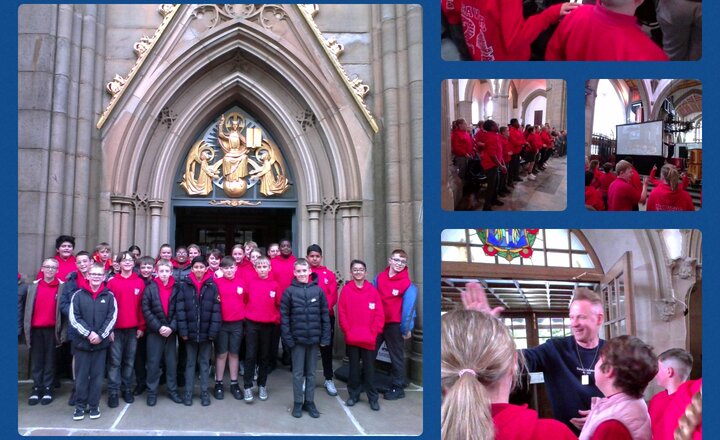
<point>622,189</point>
<point>496,30</point>
<point>205,310</point>
<point>502,151</point>
<point>480,366</point>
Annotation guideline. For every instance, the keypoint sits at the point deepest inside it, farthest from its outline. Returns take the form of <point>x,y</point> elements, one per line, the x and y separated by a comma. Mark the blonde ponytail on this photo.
<point>670,175</point>
<point>477,351</point>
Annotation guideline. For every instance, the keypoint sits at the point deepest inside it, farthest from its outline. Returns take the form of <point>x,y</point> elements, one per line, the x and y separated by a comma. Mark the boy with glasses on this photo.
<point>398,295</point>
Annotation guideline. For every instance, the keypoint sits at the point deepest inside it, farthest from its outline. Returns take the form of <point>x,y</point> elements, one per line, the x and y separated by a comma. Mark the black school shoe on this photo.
<point>34,398</point>
<point>175,397</point>
<point>139,389</point>
<point>394,394</point>
<point>128,396</point>
<point>79,413</point>
<point>205,398</point>
<point>297,410</point>
<point>374,405</point>
<point>113,400</point>
<point>219,392</point>
<point>47,397</point>
<point>311,409</point>
<point>188,399</point>
<point>235,391</point>
<point>151,399</point>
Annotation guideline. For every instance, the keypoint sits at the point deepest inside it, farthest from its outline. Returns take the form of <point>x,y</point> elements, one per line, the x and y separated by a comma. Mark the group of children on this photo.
<point>186,306</point>
<point>620,188</point>
<point>503,152</point>
<point>505,30</point>
<point>480,366</point>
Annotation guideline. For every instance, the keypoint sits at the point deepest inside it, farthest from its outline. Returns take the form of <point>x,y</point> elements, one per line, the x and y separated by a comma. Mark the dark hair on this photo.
<point>400,252</point>
<point>314,248</point>
<point>217,253</point>
<point>607,167</point>
<point>683,357</point>
<point>629,159</point>
<point>489,124</point>
<point>589,176</point>
<point>227,261</point>
<point>145,260</point>
<point>633,361</point>
<point>82,254</point>
<point>122,255</point>
<point>199,259</point>
<point>134,248</point>
<point>64,238</point>
<point>361,262</point>
<point>514,121</point>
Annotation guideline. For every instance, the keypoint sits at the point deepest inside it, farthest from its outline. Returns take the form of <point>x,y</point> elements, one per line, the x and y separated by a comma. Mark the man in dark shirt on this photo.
<point>567,363</point>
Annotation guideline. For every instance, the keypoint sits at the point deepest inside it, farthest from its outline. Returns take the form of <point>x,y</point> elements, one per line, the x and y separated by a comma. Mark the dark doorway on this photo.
<point>222,228</point>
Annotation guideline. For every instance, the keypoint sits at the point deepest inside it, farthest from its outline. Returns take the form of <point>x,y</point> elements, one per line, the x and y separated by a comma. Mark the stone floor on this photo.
<point>226,417</point>
<point>547,193</point>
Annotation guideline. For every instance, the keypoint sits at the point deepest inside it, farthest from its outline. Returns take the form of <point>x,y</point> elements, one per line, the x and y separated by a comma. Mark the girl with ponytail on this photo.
<point>479,367</point>
<point>669,194</point>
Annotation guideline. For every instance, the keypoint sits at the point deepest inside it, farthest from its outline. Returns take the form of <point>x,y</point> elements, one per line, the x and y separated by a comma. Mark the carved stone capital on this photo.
<point>666,308</point>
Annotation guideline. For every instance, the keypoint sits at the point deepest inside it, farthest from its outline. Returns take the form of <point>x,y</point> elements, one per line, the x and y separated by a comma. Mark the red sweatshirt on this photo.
<point>391,291</point>
<point>517,139</point>
<point>605,179</point>
<point>45,308</point>
<point>594,198</point>
<point>461,143</point>
<point>492,153</point>
<point>282,271</point>
<point>328,284</point>
<point>662,198</point>
<point>666,409</point>
<point>594,33</point>
<point>506,148</point>
<point>514,422</point>
<point>451,12</point>
<point>128,294</point>
<point>535,142</point>
<point>622,196</point>
<point>263,300</point>
<point>246,270</point>
<point>165,293</point>
<point>361,315</point>
<point>611,430</point>
<point>496,31</point>
<point>233,296</point>
<point>547,140</point>
<point>64,268</point>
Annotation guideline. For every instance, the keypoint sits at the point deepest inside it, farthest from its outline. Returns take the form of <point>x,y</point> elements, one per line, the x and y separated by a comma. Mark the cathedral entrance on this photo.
<point>222,228</point>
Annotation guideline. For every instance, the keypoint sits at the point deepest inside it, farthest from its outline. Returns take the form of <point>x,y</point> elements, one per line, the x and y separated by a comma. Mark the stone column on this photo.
<point>590,95</point>
<point>121,210</point>
<point>556,95</point>
<point>463,109</point>
<point>314,221</point>
<point>156,207</point>
<point>501,111</point>
<point>351,235</point>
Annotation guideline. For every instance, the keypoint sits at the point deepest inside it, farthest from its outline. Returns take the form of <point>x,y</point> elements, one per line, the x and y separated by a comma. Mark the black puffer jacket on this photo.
<point>69,288</point>
<point>198,317</point>
<point>304,315</point>
<point>153,310</point>
<point>88,314</point>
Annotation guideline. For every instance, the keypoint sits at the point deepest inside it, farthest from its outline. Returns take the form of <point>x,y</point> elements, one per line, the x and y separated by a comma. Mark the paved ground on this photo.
<point>226,417</point>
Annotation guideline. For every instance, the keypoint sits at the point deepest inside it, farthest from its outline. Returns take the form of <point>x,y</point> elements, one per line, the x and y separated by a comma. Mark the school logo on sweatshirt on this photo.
<point>239,290</point>
<point>395,292</point>
<point>327,281</point>
<point>371,306</point>
<point>272,294</point>
<point>137,291</point>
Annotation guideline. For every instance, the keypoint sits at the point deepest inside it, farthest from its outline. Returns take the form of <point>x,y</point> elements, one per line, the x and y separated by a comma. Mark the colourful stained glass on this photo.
<point>508,243</point>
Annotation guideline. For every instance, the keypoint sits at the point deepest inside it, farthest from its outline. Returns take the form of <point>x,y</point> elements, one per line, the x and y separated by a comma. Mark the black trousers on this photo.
<point>42,355</point>
<point>258,336</point>
<point>515,166</point>
<point>159,349</point>
<point>326,352</point>
<point>362,377</point>
<point>396,347</point>
<point>141,361</point>
<point>491,190</point>
<point>89,373</point>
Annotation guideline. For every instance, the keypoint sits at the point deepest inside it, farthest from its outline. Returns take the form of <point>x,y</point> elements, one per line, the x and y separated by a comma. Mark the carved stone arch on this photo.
<point>664,94</point>
<point>470,88</point>
<point>235,63</point>
<point>529,98</point>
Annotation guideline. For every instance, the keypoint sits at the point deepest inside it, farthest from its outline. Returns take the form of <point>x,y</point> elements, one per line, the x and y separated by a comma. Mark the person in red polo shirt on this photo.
<point>668,406</point>
<point>622,195</point>
<point>42,327</point>
<point>607,31</point>
<point>669,194</point>
<point>495,30</point>
<point>127,286</point>
<point>361,319</point>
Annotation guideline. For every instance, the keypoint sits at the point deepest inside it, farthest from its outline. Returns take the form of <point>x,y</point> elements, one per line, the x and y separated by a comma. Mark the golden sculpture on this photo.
<point>241,167</point>
<point>199,174</point>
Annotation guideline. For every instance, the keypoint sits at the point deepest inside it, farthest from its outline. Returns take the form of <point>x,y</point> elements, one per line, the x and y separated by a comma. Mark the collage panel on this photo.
<point>643,145</point>
<point>557,30</point>
<point>504,145</point>
<point>559,333</point>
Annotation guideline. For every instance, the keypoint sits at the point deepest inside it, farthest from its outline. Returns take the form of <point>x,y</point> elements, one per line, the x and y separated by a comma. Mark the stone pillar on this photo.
<point>501,111</point>
<point>121,210</point>
<point>590,95</point>
<point>351,236</point>
<point>463,109</point>
<point>556,104</point>
<point>314,221</point>
<point>156,207</point>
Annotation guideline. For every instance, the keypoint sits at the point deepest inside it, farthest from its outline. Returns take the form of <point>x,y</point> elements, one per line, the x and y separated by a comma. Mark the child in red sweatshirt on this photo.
<point>603,32</point>
<point>362,320</point>
<point>127,287</point>
<point>262,311</point>
<point>495,30</point>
